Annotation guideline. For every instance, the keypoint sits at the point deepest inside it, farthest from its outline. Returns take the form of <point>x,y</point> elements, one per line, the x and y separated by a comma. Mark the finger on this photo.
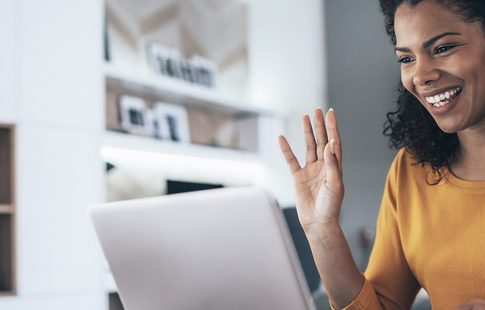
<point>333,133</point>
<point>332,166</point>
<point>320,132</point>
<point>311,152</point>
<point>290,158</point>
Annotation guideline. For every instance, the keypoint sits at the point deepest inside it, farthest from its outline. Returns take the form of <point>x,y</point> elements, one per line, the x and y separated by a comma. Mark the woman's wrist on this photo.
<point>322,231</point>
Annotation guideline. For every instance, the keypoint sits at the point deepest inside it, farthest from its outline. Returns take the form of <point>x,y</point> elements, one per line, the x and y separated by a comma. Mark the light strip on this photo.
<point>254,172</point>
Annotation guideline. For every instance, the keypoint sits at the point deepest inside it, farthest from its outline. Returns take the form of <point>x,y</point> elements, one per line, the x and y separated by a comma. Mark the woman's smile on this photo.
<point>443,64</point>
<point>442,101</point>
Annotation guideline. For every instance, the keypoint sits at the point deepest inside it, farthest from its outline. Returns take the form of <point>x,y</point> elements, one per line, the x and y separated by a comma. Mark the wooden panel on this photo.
<point>6,165</point>
<point>6,209</point>
<point>6,294</point>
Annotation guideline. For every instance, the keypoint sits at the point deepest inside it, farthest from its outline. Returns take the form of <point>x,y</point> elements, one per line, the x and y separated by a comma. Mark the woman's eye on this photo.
<point>405,60</point>
<point>442,49</point>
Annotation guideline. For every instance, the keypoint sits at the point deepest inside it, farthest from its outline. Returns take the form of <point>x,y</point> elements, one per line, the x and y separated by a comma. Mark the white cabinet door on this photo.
<point>58,174</point>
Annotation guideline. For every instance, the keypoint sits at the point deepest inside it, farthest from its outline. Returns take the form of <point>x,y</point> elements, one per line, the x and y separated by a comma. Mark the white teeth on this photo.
<point>440,104</point>
<point>439,100</point>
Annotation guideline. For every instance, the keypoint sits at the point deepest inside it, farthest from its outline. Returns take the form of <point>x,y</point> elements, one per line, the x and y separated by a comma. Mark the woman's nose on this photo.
<point>425,73</point>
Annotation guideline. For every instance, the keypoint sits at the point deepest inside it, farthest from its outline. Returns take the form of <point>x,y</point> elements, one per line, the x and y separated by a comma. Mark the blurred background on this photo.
<point>119,99</point>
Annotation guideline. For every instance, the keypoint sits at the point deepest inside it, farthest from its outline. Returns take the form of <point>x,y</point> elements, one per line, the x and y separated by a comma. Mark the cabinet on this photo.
<point>7,211</point>
<point>214,120</point>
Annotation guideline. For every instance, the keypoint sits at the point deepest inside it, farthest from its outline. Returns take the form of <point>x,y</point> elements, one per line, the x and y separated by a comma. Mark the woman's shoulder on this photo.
<point>406,167</point>
<point>404,156</point>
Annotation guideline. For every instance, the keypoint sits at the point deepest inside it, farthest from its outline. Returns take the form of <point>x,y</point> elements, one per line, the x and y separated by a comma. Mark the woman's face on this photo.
<point>443,64</point>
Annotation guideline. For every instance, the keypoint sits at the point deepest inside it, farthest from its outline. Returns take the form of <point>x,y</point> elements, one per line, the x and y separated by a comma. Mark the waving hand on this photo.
<point>318,184</point>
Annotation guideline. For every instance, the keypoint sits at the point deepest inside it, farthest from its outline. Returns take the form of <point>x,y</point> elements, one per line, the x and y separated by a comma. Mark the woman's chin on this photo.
<point>448,128</point>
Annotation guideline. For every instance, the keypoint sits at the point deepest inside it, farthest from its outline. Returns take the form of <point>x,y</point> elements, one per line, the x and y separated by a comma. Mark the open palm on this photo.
<point>318,185</point>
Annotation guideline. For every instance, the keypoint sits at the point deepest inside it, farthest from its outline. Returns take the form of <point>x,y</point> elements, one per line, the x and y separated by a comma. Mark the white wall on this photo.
<point>287,64</point>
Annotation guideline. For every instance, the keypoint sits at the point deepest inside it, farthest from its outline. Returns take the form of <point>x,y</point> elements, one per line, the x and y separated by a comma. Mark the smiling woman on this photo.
<point>431,224</point>
<point>448,56</point>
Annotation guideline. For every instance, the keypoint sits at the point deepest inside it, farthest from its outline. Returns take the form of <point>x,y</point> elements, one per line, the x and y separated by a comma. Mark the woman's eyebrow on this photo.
<point>429,42</point>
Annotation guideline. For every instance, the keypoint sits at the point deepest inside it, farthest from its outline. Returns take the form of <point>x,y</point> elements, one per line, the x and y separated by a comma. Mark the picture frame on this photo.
<point>170,62</point>
<point>164,60</point>
<point>204,71</point>
<point>171,122</point>
<point>134,115</point>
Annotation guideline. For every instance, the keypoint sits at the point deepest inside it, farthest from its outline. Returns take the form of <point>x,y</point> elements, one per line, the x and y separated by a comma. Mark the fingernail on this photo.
<point>331,109</point>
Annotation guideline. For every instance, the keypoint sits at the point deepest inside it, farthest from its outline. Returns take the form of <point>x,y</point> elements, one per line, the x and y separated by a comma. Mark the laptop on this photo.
<point>218,249</point>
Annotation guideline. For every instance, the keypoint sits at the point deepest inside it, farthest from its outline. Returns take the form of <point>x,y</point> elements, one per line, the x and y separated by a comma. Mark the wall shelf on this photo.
<point>144,82</point>
<point>213,119</point>
<point>6,209</point>
<point>154,146</point>
<point>7,294</point>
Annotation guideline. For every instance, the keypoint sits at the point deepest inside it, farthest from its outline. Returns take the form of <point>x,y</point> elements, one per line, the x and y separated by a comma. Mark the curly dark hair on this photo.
<point>411,126</point>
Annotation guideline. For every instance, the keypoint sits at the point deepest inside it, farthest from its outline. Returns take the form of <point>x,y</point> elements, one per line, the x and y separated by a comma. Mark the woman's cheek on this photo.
<point>407,82</point>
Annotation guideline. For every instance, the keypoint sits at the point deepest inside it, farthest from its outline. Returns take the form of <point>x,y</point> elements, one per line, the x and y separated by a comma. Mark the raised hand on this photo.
<point>318,185</point>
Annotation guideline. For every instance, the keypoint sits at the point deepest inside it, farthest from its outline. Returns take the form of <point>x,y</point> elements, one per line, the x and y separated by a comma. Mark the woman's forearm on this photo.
<point>334,261</point>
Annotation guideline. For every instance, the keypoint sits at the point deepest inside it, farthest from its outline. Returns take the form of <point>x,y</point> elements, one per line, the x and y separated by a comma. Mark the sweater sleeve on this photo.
<point>389,282</point>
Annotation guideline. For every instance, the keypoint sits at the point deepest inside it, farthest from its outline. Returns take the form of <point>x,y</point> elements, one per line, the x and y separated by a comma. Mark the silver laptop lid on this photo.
<point>215,249</point>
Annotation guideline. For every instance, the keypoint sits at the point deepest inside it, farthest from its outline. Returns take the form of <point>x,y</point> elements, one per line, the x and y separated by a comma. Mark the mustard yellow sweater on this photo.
<point>427,236</point>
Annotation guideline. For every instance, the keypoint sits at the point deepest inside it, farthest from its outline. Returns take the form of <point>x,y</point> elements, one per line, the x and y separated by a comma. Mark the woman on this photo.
<point>431,225</point>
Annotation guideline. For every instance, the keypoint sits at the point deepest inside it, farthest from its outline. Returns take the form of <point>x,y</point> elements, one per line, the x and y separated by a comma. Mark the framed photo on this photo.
<point>204,71</point>
<point>135,117</point>
<point>170,62</point>
<point>171,122</point>
<point>164,60</point>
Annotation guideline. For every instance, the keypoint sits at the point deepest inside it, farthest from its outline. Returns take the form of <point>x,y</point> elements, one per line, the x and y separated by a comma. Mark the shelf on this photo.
<point>6,209</point>
<point>6,294</point>
<point>177,91</point>
<point>151,145</point>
